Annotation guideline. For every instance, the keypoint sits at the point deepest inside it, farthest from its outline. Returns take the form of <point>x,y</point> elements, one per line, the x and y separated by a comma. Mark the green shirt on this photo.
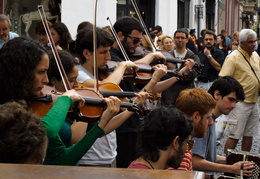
<point>57,152</point>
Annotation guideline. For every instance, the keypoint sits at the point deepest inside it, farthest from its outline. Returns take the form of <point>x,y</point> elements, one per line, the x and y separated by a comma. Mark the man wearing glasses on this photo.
<point>180,40</point>
<point>243,64</point>
<point>129,31</point>
<point>212,59</point>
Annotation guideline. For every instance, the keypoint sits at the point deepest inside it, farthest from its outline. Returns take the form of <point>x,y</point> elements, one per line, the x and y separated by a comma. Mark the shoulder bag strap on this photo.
<point>249,65</point>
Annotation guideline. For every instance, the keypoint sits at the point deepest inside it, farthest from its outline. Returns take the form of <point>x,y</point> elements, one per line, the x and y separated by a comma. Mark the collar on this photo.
<point>244,52</point>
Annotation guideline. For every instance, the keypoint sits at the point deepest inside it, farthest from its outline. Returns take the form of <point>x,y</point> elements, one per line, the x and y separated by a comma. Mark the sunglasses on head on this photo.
<point>135,39</point>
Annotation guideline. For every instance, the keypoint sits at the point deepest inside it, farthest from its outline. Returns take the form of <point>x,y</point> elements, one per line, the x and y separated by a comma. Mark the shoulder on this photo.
<point>13,35</point>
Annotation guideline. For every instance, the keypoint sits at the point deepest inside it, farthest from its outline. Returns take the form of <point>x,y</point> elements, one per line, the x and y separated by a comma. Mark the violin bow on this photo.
<point>53,48</point>
<point>96,88</point>
<point>143,24</point>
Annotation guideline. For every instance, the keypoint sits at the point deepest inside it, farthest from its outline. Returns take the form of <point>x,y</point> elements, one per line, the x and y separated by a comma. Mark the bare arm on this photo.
<point>205,165</point>
<point>150,57</point>
<point>116,76</point>
<point>163,85</point>
<point>119,119</point>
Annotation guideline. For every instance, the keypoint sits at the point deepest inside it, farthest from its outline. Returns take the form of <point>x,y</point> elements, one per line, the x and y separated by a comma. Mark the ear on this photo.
<point>196,117</point>
<point>120,36</point>
<point>175,143</point>
<point>216,94</point>
<point>86,53</point>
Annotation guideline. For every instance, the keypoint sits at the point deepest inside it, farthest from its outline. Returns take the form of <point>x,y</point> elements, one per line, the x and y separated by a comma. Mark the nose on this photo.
<point>108,56</point>
<point>75,85</point>
<point>233,105</point>
<point>210,122</point>
<point>45,79</point>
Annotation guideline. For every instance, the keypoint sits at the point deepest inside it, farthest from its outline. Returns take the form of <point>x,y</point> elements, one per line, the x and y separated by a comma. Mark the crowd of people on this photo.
<point>217,75</point>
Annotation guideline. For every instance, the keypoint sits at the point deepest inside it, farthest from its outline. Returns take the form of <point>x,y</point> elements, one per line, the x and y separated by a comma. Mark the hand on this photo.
<point>247,168</point>
<point>129,65</point>
<point>159,56</point>
<point>140,98</point>
<point>76,98</point>
<point>188,66</point>
<point>206,52</point>
<point>113,107</point>
<point>160,71</point>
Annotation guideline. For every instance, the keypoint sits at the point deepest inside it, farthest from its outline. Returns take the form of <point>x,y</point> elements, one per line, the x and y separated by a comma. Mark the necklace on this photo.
<point>149,163</point>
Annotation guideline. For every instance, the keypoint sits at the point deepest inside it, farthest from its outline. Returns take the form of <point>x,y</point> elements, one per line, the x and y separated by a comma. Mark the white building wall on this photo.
<point>166,15</point>
<point>76,11</point>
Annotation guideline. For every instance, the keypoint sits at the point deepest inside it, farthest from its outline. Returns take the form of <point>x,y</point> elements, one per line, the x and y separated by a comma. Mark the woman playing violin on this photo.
<point>78,129</point>
<point>23,75</point>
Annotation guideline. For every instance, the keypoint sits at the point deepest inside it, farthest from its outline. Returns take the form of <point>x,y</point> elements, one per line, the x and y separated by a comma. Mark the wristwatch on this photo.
<point>209,56</point>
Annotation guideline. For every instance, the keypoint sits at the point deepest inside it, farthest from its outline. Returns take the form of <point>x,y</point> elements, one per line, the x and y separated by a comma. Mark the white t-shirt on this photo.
<point>103,151</point>
<point>180,56</point>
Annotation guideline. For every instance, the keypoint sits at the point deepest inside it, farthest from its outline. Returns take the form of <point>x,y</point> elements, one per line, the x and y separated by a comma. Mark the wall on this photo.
<point>76,11</point>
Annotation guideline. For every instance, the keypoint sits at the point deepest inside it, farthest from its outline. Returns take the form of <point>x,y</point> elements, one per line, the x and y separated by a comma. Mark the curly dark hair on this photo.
<point>159,130</point>
<point>65,37</point>
<point>85,41</point>
<point>18,59</point>
<point>23,138</point>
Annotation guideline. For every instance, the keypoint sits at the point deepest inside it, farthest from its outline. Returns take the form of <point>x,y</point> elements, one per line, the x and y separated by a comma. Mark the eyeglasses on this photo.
<point>190,144</point>
<point>182,38</point>
<point>135,39</point>
<point>252,41</point>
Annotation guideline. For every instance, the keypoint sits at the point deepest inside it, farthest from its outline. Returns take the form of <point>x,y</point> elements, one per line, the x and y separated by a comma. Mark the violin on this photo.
<point>91,112</point>
<point>111,89</point>
<point>144,73</point>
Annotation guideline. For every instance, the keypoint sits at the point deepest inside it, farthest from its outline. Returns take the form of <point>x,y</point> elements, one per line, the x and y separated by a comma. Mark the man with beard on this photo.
<point>198,105</point>
<point>212,59</point>
<point>5,30</point>
<point>226,92</point>
<point>129,31</point>
<point>163,139</point>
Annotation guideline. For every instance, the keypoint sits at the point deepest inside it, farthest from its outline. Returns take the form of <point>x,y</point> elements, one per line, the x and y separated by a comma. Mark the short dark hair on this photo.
<point>210,32</point>
<point>85,25</point>
<point>159,130</point>
<point>227,85</point>
<point>181,31</point>
<point>85,41</point>
<point>67,60</point>
<point>23,138</point>
<point>158,28</point>
<point>19,57</point>
<point>127,24</point>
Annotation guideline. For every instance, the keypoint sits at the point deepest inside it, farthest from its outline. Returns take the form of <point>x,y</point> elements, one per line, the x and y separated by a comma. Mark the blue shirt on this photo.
<point>11,35</point>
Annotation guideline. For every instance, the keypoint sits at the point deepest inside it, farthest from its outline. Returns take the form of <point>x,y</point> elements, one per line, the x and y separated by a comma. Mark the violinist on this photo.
<point>84,50</point>
<point>129,31</point>
<point>182,52</point>
<point>23,75</point>
<point>103,152</point>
